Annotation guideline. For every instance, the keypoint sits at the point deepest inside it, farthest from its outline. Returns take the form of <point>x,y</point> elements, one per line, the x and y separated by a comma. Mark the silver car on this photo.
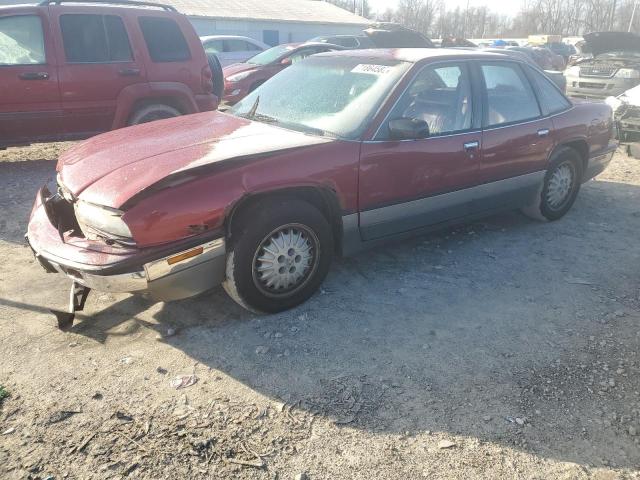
<point>232,49</point>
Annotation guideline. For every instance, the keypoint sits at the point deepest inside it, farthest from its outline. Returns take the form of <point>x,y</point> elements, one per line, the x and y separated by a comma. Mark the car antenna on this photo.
<point>252,112</point>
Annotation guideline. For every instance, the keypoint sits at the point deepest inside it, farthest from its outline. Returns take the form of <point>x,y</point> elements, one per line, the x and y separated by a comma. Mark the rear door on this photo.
<point>409,184</point>
<point>30,107</point>
<point>97,63</point>
<point>517,139</point>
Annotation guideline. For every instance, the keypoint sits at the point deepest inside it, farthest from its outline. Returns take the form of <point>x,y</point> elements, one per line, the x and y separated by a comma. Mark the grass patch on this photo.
<point>4,393</point>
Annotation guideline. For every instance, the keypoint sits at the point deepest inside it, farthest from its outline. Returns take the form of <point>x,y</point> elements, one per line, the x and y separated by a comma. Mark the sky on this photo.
<point>507,7</point>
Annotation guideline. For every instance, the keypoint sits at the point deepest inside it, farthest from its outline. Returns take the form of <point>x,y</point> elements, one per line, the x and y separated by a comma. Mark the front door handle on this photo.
<point>471,146</point>
<point>34,76</point>
<point>543,132</point>
<point>129,72</point>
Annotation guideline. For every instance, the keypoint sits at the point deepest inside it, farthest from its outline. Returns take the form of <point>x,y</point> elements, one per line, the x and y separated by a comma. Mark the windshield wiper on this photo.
<point>251,113</point>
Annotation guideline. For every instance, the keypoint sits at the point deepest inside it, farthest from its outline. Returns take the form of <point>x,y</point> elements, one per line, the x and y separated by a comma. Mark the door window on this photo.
<point>236,45</point>
<point>214,46</point>
<point>510,98</point>
<point>21,40</point>
<point>439,95</point>
<point>94,39</point>
<point>164,40</point>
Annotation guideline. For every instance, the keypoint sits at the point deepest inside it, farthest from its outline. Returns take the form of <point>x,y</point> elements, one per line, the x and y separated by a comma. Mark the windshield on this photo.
<point>330,96</point>
<point>270,56</point>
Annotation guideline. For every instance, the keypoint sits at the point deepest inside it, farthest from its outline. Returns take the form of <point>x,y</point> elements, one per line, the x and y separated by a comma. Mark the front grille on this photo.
<point>603,70</point>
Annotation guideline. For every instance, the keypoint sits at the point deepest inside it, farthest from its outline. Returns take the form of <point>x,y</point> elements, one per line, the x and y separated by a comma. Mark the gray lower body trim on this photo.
<point>512,192</point>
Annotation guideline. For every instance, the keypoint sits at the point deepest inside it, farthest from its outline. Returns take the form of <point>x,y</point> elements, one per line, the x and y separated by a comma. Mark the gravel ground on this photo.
<point>500,349</point>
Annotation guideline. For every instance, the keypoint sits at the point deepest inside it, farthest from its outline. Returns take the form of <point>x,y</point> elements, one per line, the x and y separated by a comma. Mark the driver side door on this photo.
<point>409,184</point>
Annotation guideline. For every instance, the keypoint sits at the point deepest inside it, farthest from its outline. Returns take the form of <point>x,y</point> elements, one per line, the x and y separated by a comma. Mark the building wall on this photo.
<point>287,32</point>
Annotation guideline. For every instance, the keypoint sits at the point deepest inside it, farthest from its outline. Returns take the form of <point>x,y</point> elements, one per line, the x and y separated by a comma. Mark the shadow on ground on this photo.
<point>461,331</point>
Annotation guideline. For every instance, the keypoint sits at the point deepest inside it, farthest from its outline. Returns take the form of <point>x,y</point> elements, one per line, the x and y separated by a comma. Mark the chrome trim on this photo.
<point>472,145</point>
<point>537,119</point>
<point>457,134</point>
<point>161,268</point>
<point>544,132</point>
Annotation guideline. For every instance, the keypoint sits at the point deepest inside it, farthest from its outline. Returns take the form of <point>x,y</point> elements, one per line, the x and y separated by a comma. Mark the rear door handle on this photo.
<point>544,132</point>
<point>129,72</point>
<point>471,146</point>
<point>34,76</point>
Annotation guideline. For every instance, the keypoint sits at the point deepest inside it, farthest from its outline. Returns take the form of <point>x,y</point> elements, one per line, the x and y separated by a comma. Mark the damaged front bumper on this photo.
<point>165,273</point>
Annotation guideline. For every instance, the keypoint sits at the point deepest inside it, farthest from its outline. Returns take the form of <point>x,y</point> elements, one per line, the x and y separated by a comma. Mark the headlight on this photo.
<point>238,76</point>
<point>99,222</point>
<point>629,73</point>
<point>572,71</point>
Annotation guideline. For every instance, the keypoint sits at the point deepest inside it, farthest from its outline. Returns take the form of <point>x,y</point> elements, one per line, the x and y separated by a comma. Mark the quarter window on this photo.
<point>94,39</point>
<point>551,100</point>
<point>21,40</point>
<point>164,40</point>
<point>510,98</point>
<point>441,96</point>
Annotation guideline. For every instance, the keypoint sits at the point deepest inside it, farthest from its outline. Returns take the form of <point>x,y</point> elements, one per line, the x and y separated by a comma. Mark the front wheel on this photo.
<point>151,113</point>
<point>560,188</point>
<point>279,255</point>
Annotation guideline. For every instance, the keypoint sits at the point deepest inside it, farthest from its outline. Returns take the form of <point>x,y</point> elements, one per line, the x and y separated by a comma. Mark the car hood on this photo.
<point>239,68</point>
<point>604,42</point>
<point>112,168</point>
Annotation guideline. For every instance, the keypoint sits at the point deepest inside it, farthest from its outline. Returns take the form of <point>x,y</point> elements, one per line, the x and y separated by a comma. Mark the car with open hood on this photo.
<point>611,66</point>
<point>338,153</point>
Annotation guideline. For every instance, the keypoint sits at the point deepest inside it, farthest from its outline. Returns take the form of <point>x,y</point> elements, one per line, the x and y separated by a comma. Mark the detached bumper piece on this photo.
<point>77,298</point>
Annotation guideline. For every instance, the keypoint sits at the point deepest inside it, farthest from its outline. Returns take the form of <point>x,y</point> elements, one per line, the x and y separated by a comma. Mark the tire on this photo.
<point>560,188</point>
<point>276,224</point>
<point>151,113</point>
<point>217,74</point>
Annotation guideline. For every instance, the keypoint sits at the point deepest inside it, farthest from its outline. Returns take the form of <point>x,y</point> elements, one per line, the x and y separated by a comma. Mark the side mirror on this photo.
<point>285,62</point>
<point>408,129</point>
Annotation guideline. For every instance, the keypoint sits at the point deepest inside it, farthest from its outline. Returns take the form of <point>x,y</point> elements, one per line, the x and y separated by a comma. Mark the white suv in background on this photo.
<point>232,49</point>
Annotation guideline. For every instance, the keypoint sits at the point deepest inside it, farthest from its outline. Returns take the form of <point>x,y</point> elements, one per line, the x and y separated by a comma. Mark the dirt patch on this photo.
<point>503,348</point>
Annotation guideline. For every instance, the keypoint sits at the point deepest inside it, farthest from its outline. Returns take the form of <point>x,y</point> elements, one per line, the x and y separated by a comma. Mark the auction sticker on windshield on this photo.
<point>372,69</point>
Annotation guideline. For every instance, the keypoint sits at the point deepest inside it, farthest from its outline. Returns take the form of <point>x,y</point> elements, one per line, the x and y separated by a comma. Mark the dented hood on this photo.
<point>112,168</point>
<point>605,42</point>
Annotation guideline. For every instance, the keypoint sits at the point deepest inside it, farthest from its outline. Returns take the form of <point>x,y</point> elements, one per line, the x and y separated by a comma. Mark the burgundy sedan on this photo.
<point>335,154</point>
<point>240,79</point>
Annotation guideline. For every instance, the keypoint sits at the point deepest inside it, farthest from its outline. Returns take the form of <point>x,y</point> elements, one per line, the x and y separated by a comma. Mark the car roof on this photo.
<point>30,8</point>
<point>228,37</point>
<point>414,55</point>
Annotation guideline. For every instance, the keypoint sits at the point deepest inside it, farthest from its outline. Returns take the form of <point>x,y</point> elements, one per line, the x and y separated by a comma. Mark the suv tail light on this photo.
<point>207,79</point>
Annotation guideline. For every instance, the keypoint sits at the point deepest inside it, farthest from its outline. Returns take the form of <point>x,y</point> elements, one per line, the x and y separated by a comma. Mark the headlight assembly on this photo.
<point>102,222</point>
<point>238,76</point>
<point>629,73</point>
<point>572,71</point>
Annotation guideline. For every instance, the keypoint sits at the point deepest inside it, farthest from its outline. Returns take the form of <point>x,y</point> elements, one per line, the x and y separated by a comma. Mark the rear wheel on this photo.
<point>560,188</point>
<point>279,255</point>
<point>151,113</point>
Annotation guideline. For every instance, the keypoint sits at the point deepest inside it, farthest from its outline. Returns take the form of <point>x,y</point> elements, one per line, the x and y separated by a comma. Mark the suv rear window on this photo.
<point>164,39</point>
<point>21,40</point>
<point>94,38</point>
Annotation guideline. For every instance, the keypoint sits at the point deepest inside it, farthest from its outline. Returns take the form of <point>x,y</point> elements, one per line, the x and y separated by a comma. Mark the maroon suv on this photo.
<point>334,154</point>
<point>70,70</point>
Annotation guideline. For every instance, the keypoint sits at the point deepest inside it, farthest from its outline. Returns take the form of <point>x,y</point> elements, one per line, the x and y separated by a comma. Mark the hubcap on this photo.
<point>285,260</point>
<point>560,185</point>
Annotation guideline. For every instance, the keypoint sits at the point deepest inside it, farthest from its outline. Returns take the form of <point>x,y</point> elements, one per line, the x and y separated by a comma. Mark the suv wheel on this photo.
<point>278,256</point>
<point>153,112</point>
<point>560,188</point>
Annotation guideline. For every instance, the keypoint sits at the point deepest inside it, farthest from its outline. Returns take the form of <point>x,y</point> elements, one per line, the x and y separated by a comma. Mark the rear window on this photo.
<point>164,39</point>
<point>21,40</point>
<point>94,39</point>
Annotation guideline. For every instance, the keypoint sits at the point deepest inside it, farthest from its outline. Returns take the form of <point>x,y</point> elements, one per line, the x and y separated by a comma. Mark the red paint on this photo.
<point>80,100</point>
<point>220,159</point>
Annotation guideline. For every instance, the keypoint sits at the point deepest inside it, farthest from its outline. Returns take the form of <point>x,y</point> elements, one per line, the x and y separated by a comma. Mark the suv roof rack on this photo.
<point>133,3</point>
